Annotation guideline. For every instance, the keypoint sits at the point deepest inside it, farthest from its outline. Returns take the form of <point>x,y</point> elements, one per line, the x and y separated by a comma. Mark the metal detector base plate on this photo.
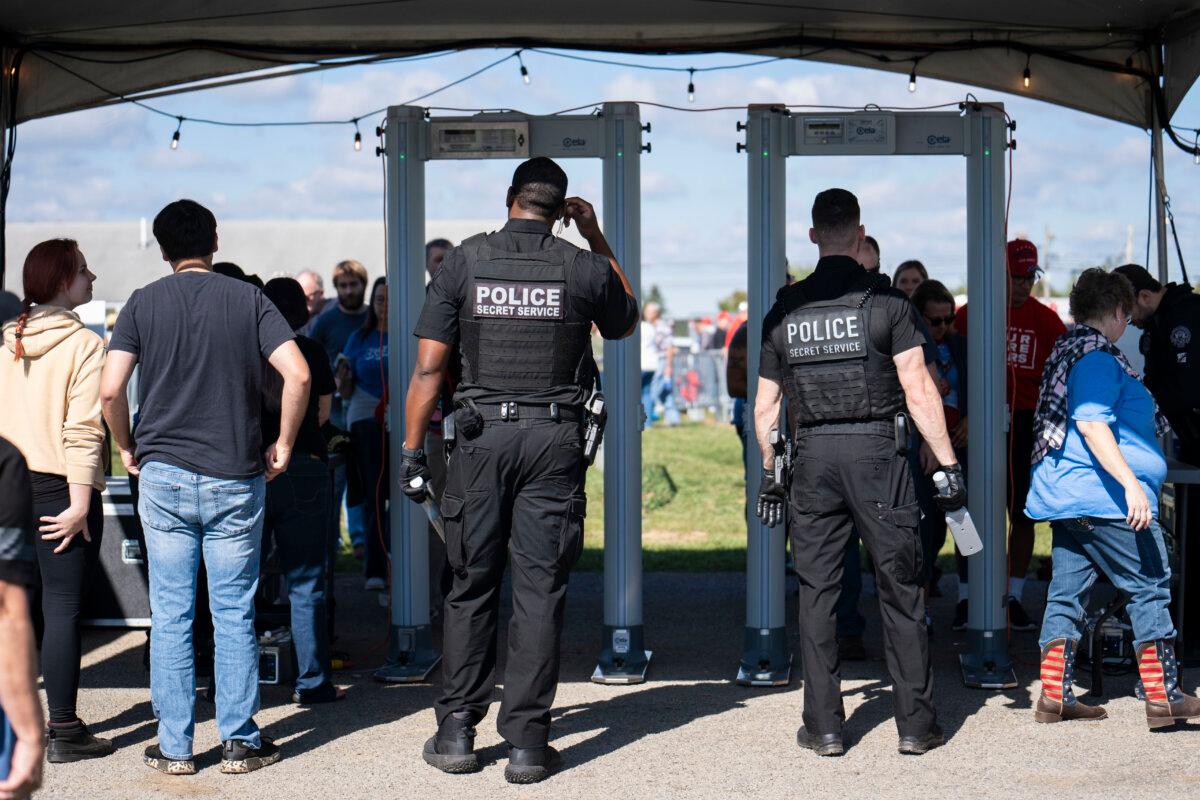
<point>624,676</point>
<point>406,673</point>
<point>978,676</point>
<point>779,677</point>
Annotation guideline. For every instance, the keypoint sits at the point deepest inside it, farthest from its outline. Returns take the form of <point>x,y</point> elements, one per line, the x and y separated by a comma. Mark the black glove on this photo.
<point>772,501</point>
<point>413,465</point>
<point>953,495</point>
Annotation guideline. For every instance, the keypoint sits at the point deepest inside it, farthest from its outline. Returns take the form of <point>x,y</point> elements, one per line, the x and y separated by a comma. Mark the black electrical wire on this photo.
<point>10,151</point>
<point>279,123</point>
<point>1175,236</point>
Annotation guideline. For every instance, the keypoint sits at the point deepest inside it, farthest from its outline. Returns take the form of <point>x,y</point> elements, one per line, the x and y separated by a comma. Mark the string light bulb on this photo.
<point>1026,76</point>
<point>691,85</point>
<point>912,79</point>
<point>175,136</point>
<point>524,71</point>
<point>357,137</point>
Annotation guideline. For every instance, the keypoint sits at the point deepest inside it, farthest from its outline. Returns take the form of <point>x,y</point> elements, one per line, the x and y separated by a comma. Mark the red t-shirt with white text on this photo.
<point>1032,330</point>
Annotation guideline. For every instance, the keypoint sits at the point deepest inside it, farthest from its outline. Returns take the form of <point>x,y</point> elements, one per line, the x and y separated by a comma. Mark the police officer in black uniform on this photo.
<point>1169,317</point>
<point>516,308</point>
<point>848,354</point>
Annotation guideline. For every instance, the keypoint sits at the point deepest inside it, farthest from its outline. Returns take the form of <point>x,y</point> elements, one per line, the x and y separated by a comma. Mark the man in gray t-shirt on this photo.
<point>201,340</point>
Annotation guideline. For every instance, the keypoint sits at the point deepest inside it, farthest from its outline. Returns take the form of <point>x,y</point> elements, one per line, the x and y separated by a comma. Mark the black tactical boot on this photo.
<point>530,764</point>
<point>823,744</point>
<point>920,745</point>
<point>452,748</point>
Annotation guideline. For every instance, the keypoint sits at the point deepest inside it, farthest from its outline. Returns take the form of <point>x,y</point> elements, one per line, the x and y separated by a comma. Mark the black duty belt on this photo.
<point>513,411</point>
<point>880,427</point>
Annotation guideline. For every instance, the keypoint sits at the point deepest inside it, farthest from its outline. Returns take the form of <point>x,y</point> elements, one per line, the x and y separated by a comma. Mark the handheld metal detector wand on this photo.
<point>431,508</point>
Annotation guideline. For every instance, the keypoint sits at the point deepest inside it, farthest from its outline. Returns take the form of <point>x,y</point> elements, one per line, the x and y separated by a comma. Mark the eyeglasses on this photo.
<point>1030,279</point>
<point>940,320</point>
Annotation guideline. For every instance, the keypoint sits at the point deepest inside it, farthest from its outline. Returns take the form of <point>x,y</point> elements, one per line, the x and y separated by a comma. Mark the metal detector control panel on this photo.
<point>516,135</point>
<point>879,133</point>
<point>472,139</point>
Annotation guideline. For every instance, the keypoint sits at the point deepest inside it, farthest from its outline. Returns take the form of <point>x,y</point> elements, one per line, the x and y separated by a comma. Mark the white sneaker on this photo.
<point>375,584</point>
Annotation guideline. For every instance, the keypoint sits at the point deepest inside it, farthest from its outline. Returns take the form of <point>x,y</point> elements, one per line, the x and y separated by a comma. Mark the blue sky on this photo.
<point>1079,178</point>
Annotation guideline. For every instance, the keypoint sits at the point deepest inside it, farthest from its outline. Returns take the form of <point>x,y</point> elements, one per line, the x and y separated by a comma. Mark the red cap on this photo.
<point>1022,257</point>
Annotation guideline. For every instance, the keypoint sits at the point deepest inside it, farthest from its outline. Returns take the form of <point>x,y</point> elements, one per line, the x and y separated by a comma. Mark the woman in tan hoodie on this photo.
<point>50,374</point>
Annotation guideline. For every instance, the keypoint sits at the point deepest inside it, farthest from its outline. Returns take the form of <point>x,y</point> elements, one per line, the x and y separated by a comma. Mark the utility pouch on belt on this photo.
<point>596,414</point>
<point>467,420</point>
<point>903,434</point>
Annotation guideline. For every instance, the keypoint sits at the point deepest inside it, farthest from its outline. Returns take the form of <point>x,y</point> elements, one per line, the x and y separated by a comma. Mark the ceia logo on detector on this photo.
<point>570,141</point>
<point>934,140</point>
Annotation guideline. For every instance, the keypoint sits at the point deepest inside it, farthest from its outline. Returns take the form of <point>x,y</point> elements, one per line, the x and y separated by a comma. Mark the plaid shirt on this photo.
<point>1050,420</point>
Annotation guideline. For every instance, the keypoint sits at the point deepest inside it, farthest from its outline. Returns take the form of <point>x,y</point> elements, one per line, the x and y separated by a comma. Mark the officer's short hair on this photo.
<point>835,217</point>
<point>539,185</point>
<point>1098,293</point>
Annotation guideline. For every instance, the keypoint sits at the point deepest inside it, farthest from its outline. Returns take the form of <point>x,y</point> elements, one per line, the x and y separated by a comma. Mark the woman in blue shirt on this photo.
<point>1097,473</point>
<point>362,384</point>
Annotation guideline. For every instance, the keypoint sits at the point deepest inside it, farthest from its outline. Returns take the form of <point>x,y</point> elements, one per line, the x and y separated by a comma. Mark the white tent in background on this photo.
<point>1131,62</point>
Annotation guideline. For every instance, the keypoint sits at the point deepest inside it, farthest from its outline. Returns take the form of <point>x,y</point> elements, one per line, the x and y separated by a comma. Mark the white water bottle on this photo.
<point>962,527</point>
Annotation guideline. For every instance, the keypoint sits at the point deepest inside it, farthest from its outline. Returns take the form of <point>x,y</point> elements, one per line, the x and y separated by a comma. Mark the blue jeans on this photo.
<point>185,514</point>
<point>648,396</point>
<point>297,513</point>
<point>1135,562</point>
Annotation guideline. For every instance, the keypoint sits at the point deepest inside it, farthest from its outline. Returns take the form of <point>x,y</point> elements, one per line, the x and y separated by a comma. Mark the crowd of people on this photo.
<point>261,413</point>
<point>258,405</point>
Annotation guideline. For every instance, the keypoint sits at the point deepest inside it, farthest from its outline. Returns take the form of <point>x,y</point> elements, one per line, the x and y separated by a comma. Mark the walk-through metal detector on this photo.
<point>614,135</point>
<point>978,133</point>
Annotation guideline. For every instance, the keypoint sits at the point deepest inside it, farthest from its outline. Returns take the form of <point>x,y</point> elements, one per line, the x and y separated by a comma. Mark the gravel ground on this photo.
<point>687,732</point>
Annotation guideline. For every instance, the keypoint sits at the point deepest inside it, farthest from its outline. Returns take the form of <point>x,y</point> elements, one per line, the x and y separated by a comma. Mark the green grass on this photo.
<point>693,506</point>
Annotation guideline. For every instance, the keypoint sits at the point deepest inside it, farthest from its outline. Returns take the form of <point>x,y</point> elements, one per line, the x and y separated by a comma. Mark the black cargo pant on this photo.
<point>515,490</point>
<point>844,476</point>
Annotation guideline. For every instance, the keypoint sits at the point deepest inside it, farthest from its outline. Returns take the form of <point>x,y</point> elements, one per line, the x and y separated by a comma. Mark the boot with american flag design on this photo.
<point>1057,701</point>
<point>1165,701</point>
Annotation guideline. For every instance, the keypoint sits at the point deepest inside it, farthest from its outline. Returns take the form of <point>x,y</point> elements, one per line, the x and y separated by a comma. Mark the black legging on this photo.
<point>370,445</point>
<point>64,582</point>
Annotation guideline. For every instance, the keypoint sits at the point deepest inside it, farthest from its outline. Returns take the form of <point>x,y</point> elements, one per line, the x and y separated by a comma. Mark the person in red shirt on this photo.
<point>1032,331</point>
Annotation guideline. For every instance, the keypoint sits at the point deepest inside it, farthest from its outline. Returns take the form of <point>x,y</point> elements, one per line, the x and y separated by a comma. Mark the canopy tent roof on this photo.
<point>1096,56</point>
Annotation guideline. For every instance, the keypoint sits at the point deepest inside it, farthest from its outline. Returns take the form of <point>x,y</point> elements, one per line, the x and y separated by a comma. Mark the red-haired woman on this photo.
<point>50,370</point>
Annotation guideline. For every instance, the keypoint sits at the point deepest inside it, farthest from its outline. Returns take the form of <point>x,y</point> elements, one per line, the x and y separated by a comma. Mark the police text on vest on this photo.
<point>519,299</point>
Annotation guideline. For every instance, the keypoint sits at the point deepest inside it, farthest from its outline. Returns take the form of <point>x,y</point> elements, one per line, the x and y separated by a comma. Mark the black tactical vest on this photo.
<point>835,373</point>
<point>519,330</point>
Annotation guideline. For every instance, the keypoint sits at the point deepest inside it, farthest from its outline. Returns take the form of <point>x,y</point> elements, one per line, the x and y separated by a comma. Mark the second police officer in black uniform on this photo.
<point>516,307</point>
<point>1170,318</point>
<point>847,353</point>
